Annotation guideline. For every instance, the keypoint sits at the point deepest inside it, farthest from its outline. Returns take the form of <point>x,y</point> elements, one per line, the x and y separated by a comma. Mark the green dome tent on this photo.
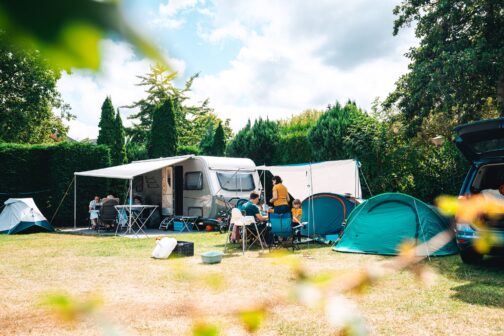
<point>383,222</point>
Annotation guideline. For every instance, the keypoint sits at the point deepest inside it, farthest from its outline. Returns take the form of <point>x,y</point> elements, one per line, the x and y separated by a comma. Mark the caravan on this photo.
<point>187,185</point>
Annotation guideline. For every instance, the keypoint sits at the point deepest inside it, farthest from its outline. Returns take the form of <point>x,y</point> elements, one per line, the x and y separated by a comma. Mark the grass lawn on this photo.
<point>150,297</point>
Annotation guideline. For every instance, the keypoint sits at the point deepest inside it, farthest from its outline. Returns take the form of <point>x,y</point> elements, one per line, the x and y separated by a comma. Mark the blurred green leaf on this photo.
<point>252,319</point>
<point>67,308</point>
<point>205,329</point>
<point>68,32</point>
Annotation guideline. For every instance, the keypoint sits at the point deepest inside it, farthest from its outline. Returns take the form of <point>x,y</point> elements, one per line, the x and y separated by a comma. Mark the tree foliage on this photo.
<point>106,125</point>
<point>458,68</point>
<point>163,135</point>
<point>68,33</point>
<point>207,141</point>
<point>326,137</point>
<point>118,150</point>
<point>259,142</point>
<point>28,96</point>
<point>219,141</point>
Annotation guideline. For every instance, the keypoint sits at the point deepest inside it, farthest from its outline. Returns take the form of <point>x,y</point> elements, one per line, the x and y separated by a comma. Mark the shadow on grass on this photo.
<point>485,281</point>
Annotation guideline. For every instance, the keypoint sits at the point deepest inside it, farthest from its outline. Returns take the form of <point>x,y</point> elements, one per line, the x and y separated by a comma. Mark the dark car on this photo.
<point>482,143</point>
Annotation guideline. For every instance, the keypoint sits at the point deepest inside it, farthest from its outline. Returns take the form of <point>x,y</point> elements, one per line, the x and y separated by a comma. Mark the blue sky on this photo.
<point>268,58</point>
<point>183,41</point>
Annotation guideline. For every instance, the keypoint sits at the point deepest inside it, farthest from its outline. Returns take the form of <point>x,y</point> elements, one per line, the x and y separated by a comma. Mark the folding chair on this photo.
<point>282,233</point>
<point>108,215</point>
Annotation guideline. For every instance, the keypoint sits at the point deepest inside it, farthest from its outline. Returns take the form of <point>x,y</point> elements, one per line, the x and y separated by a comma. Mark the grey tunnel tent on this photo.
<point>327,190</point>
<point>383,222</point>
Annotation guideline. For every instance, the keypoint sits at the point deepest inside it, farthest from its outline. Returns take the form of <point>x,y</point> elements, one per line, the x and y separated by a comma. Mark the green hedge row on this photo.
<point>45,172</point>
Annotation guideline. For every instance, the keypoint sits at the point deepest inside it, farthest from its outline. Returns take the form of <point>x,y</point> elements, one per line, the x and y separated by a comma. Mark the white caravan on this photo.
<point>187,185</point>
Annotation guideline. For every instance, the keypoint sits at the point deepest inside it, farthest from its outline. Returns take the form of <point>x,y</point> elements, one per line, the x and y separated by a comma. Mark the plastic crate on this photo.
<point>184,249</point>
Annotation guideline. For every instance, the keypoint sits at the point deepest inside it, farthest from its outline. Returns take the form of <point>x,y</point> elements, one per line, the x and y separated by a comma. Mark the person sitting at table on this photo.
<point>250,208</point>
<point>137,200</point>
<point>94,211</point>
<point>296,212</point>
<point>108,211</point>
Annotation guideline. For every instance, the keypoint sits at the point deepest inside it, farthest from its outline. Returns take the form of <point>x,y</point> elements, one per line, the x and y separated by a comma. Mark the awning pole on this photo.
<point>75,201</point>
<point>264,187</point>
<point>130,201</point>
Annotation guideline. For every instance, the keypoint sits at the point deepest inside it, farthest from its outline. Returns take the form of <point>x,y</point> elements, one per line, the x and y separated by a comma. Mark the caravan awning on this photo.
<point>129,171</point>
<point>302,180</point>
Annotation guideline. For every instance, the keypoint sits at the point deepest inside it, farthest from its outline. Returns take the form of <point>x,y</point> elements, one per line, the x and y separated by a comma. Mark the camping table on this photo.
<point>187,220</point>
<point>136,216</point>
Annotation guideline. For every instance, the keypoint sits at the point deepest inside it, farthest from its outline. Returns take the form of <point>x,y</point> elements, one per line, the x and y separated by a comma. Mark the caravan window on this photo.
<point>234,181</point>
<point>194,181</point>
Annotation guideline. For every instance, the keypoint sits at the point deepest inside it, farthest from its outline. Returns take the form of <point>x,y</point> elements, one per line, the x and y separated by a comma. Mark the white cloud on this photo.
<point>233,29</point>
<point>85,91</point>
<point>167,23</point>
<point>172,7</point>
<point>299,55</point>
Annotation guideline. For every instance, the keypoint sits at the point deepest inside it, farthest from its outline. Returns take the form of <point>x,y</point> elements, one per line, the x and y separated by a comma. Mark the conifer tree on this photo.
<point>163,135</point>
<point>107,133</point>
<point>219,141</point>
<point>118,150</point>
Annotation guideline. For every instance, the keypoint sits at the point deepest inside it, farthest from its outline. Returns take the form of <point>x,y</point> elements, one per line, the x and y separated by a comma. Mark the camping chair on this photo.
<point>108,215</point>
<point>282,233</point>
<point>238,220</point>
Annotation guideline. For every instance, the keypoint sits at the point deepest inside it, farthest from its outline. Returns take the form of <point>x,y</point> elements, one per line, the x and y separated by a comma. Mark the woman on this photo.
<point>280,198</point>
<point>94,211</point>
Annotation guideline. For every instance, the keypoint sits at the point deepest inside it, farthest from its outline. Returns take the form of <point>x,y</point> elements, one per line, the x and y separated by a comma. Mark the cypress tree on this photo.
<point>107,133</point>
<point>163,135</point>
<point>118,150</point>
<point>219,142</point>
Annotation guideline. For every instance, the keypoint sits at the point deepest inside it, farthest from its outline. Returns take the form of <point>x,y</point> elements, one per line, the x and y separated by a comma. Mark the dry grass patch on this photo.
<point>149,297</point>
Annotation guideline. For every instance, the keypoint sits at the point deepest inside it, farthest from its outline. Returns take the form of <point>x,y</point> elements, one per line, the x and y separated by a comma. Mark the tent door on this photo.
<point>178,186</point>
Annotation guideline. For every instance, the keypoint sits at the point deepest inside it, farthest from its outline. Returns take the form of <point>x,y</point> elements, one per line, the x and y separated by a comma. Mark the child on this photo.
<point>296,212</point>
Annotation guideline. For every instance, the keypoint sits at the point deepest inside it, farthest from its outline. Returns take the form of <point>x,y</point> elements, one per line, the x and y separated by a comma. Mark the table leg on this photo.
<point>140,223</point>
<point>244,238</point>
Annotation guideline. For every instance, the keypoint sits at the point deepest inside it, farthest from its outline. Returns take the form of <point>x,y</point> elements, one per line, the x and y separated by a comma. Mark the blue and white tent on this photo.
<point>21,215</point>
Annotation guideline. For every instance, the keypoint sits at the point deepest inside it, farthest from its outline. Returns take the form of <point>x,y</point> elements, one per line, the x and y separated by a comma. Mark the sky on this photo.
<point>261,58</point>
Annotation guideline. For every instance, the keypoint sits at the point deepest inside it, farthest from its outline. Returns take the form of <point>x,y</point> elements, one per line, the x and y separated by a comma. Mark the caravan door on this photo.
<point>167,198</point>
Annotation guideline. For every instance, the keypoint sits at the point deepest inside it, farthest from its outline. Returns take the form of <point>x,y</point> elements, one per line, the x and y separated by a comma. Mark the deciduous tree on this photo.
<point>458,66</point>
<point>28,96</point>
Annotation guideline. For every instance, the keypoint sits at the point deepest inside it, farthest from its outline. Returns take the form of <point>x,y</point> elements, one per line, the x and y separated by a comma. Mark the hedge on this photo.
<point>45,172</point>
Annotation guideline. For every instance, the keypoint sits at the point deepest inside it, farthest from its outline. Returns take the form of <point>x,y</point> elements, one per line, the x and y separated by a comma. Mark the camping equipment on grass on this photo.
<point>164,247</point>
<point>184,249</point>
<point>383,222</point>
<point>21,215</point>
<point>212,257</point>
<point>325,213</point>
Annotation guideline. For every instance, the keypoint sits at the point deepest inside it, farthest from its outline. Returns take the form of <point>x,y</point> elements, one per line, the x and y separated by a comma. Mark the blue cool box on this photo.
<point>179,226</point>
